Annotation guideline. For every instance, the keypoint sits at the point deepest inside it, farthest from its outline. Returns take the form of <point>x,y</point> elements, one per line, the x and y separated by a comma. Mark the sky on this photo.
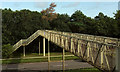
<point>90,9</point>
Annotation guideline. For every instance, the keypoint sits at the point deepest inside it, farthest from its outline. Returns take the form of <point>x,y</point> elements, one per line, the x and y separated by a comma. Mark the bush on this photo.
<point>6,50</point>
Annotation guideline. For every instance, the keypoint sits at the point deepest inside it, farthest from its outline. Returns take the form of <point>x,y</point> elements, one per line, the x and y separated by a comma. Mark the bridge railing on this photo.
<point>32,37</point>
<point>100,54</point>
<point>24,42</point>
<point>17,45</point>
<point>102,39</point>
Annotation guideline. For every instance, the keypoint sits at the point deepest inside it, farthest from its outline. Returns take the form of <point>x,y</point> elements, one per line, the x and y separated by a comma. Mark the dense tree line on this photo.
<point>21,24</point>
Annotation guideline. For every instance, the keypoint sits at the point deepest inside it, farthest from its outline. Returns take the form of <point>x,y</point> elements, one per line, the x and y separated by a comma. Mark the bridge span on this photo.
<point>99,51</point>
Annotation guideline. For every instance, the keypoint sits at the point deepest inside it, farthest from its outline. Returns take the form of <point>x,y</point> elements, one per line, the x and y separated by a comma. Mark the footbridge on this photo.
<point>101,52</point>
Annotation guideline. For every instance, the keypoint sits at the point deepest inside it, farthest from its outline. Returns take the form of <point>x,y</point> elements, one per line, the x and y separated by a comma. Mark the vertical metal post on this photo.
<point>48,56</point>
<point>23,51</point>
<point>118,57</point>
<point>56,38</point>
<point>80,44</point>
<point>39,46</point>
<point>53,37</point>
<point>88,48</point>
<point>63,59</point>
<point>43,46</point>
<point>62,42</point>
<point>78,50</point>
<point>71,45</point>
<point>102,51</point>
<point>66,43</point>
<point>59,39</point>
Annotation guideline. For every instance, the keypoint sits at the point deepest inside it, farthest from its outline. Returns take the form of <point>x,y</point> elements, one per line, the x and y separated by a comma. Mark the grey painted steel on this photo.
<point>43,46</point>
<point>39,46</point>
<point>63,62</point>
<point>101,51</point>
<point>24,51</point>
<point>118,58</point>
<point>48,56</point>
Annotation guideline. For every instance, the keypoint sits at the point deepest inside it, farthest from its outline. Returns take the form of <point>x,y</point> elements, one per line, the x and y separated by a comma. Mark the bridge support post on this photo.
<point>23,51</point>
<point>39,46</point>
<point>43,46</point>
<point>63,56</point>
<point>48,56</point>
<point>71,44</point>
<point>118,57</point>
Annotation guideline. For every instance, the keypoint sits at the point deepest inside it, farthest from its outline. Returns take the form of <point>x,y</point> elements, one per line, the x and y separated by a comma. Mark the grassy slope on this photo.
<point>44,59</point>
<point>12,61</point>
<point>83,70</point>
<point>41,54</point>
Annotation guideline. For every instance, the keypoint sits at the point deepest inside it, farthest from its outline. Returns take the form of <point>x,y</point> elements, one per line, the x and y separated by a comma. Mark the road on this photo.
<point>43,66</point>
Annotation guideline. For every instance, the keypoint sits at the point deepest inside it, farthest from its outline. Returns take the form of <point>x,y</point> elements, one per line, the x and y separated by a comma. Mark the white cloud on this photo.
<point>75,4</point>
<point>41,5</point>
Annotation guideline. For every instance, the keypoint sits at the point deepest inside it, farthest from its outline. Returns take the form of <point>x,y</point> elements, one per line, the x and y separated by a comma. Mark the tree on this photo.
<point>78,16</point>
<point>106,26</point>
<point>61,23</point>
<point>49,14</point>
<point>117,18</point>
<point>77,22</point>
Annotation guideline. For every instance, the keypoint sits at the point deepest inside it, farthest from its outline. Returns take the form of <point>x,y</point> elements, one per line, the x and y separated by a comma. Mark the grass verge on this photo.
<point>41,54</point>
<point>82,70</point>
<point>71,70</point>
<point>13,61</point>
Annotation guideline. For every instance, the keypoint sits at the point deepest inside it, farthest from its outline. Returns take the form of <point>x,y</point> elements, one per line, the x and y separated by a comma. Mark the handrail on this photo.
<point>104,40</point>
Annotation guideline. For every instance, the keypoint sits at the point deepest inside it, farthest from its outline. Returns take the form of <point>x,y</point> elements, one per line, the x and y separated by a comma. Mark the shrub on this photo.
<point>6,50</point>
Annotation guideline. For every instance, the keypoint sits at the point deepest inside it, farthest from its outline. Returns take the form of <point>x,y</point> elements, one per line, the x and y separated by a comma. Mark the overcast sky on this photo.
<point>90,9</point>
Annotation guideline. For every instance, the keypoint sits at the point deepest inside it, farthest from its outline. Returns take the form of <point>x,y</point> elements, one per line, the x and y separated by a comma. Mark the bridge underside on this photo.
<point>101,52</point>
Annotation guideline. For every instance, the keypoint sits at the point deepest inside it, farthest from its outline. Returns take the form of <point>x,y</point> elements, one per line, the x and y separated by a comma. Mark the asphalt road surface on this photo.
<point>43,66</point>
